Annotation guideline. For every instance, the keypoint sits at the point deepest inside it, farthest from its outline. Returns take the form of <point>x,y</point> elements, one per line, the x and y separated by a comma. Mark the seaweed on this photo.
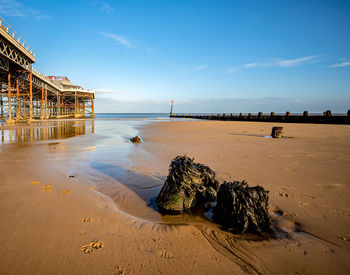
<point>188,184</point>
<point>242,209</point>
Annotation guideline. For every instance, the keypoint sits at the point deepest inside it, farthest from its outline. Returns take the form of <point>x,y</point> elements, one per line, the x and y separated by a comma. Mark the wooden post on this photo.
<point>277,132</point>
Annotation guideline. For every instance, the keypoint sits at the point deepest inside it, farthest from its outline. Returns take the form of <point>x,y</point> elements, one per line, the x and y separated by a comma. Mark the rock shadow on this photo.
<point>146,187</point>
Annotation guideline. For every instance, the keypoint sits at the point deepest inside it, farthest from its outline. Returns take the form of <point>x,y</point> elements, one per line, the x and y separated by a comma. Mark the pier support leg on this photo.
<point>30,99</point>
<point>18,100</point>
<point>92,107</point>
<point>9,120</point>
<point>1,106</point>
<point>75,104</point>
<point>37,109</point>
<point>42,108</point>
<point>46,113</point>
<point>24,107</point>
<point>58,115</point>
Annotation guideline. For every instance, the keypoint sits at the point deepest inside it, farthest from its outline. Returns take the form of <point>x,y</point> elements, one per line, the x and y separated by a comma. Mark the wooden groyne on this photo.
<point>327,117</point>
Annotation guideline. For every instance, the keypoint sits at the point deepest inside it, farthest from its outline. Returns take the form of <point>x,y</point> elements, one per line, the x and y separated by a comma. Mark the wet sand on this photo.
<point>84,183</point>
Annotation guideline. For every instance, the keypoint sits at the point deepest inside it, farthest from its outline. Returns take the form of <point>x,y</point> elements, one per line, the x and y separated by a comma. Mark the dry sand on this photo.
<point>55,224</point>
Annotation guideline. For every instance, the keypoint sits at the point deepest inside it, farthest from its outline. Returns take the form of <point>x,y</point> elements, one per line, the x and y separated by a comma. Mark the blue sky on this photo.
<point>209,56</point>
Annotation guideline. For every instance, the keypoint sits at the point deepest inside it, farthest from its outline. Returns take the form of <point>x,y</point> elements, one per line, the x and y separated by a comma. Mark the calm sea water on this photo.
<point>142,116</point>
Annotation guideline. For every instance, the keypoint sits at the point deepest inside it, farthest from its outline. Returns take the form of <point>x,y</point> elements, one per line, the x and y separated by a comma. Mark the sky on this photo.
<point>208,56</point>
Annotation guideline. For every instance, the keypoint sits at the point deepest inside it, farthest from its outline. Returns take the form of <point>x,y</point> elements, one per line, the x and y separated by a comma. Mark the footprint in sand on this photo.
<point>338,213</point>
<point>66,192</point>
<point>328,249</point>
<point>89,248</point>
<point>88,219</point>
<point>157,240</point>
<point>119,270</point>
<point>165,254</point>
<point>344,238</point>
<point>47,188</point>
<point>311,208</point>
<point>330,185</point>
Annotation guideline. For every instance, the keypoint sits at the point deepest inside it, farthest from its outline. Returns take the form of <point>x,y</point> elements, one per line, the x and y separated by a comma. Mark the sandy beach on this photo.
<point>77,197</point>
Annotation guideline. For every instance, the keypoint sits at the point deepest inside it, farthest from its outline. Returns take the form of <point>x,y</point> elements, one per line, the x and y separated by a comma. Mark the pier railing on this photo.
<point>327,117</point>
<point>5,26</point>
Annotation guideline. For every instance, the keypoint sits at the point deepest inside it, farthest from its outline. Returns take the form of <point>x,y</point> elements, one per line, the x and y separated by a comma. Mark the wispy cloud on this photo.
<point>106,91</point>
<point>201,67</point>
<point>276,62</point>
<point>107,8</point>
<point>296,62</point>
<point>149,49</point>
<point>340,65</point>
<point>281,62</point>
<point>121,40</point>
<point>12,8</point>
<point>233,69</point>
<point>102,6</point>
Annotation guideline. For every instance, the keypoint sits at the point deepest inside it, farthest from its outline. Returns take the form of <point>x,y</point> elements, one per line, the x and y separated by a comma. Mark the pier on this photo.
<point>26,94</point>
<point>327,117</point>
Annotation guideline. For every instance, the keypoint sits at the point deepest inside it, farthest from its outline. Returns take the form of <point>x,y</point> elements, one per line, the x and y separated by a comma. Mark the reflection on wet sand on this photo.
<point>46,131</point>
<point>137,192</point>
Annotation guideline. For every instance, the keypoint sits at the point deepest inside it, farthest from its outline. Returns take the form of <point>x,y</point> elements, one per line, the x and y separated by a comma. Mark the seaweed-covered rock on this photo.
<point>188,184</point>
<point>241,208</point>
<point>135,140</point>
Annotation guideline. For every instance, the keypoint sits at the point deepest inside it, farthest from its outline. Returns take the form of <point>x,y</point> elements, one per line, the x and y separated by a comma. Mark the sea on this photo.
<point>128,116</point>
